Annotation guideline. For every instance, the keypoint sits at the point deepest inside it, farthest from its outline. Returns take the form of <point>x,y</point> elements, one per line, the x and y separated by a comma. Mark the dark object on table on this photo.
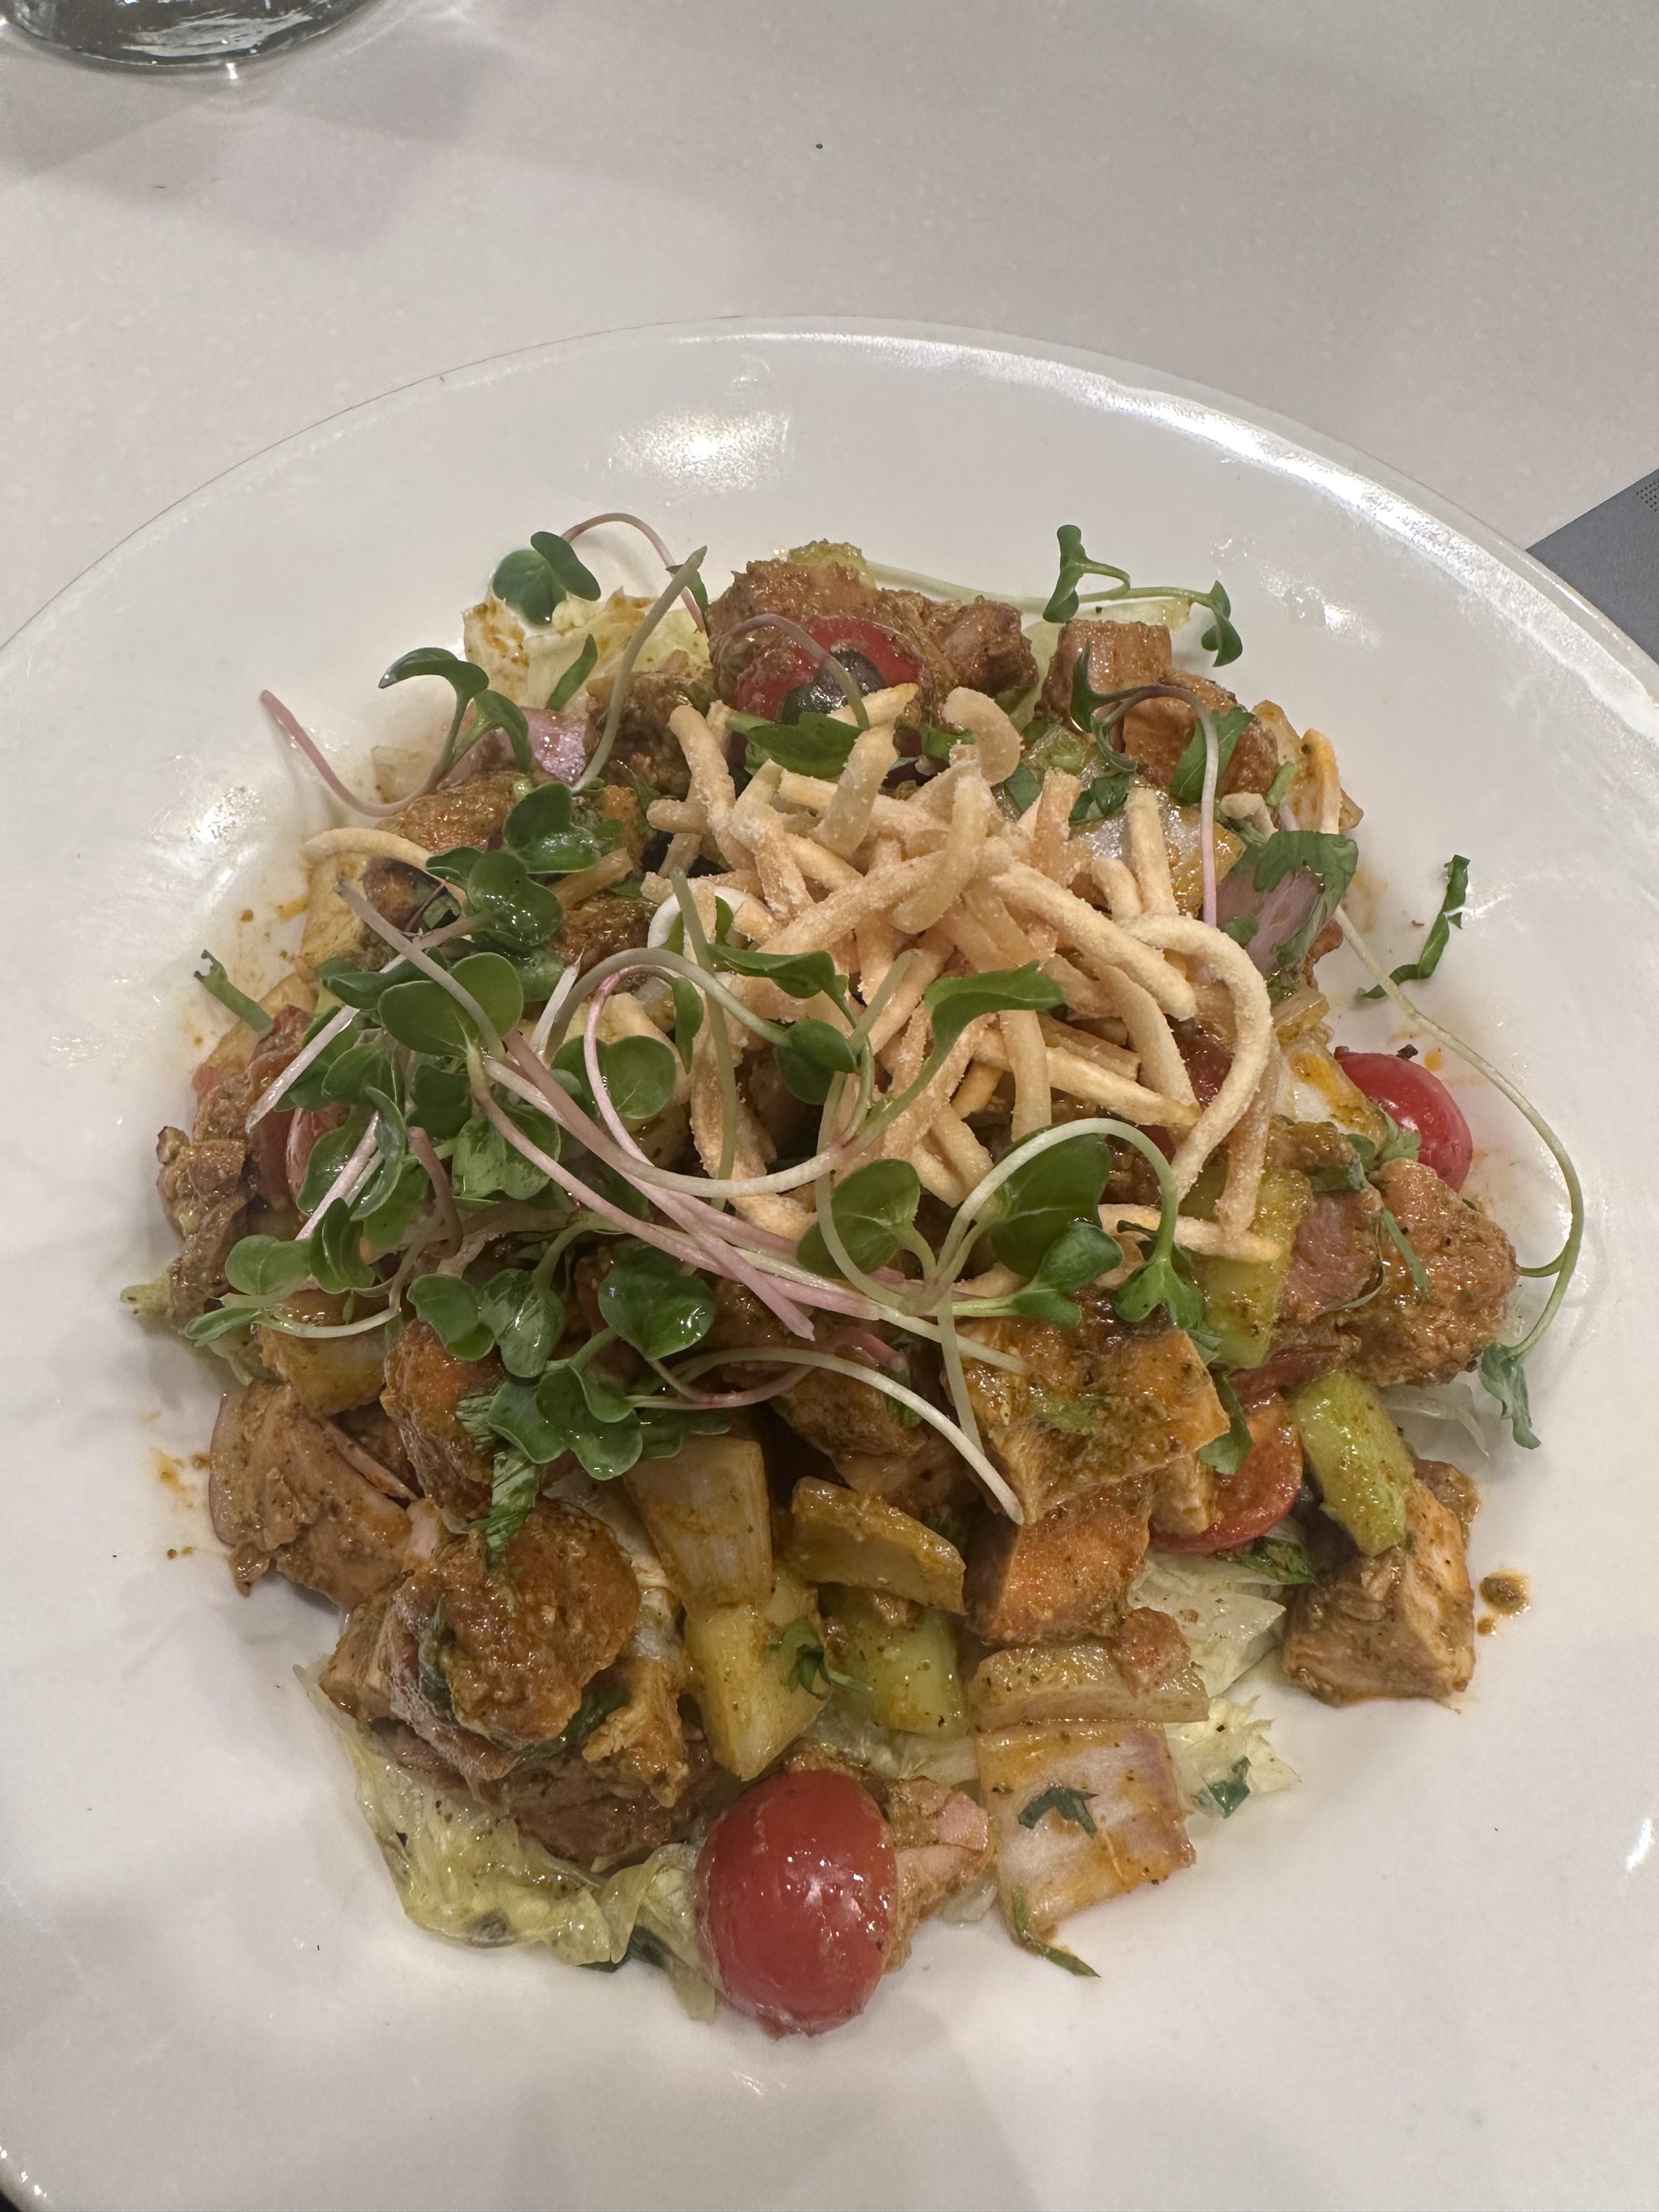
<point>1612,555</point>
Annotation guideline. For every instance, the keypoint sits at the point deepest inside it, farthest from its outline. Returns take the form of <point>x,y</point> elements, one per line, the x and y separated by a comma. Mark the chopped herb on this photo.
<point>1275,1559</point>
<point>515,1485</point>
<point>1022,789</point>
<point>432,1681</point>
<point>1449,917</point>
<point>1414,1267</point>
<point>1227,1794</point>
<point>249,1011</point>
<point>1228,1453</point>
<point>599,1701</point>
<point>1283,777</point>
<point>1099,800</point>
<point>805,1662</point>
<point>1242,928</point>
<point>1330,860</point>
<point>1503,1372</point>
<point>1026,1937</point>
<point>1065,1804</point>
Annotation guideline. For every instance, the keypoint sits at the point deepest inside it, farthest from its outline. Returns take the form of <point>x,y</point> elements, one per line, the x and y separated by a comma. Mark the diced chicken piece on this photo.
<point>1398,1625</point>
<point>329,1375</point>
<point>1401,1338</point>
<point>1096,1406</point>
<point>982,642</point>
<point>1183,1496</point>
<point>354,1676</point>
<point>1055,1867</point>
<point>470,813</point>
<point>503,1653</point>
<point>941,1846</point>
<point>1062,1576</point>
<point>1156,732</point>
<point>838,1536</point>
<point>424,1384</point>
<point>283,1492</point>
<point>643,1741</point>
<point>597,1813</point>
<point>1091,1681</point>
<point>981,645</point>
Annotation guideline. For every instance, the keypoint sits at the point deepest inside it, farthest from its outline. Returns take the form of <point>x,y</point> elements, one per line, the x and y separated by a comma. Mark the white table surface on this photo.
<point>1429,230</point>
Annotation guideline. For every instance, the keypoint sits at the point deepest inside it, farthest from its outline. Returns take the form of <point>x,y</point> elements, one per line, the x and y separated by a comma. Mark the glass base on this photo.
<point>175,33</point>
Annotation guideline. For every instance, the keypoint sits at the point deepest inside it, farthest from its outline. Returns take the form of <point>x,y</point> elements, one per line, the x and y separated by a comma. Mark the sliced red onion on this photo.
<point>1277,913</point>
<point>558,745</point>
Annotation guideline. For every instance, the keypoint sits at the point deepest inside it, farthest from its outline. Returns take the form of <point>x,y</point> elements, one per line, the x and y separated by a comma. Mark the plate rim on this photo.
<point>1363,471</point>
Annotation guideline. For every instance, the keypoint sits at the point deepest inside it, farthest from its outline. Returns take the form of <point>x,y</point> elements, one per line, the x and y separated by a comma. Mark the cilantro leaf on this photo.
<point>1502,1372</point>
<point>1165,1279</point>
<point>515,1484</point>
<point>1330,860</point>
<point>1099,800</point>
<point>1065,1804</point>
<point>1023,788</point>
<point>1449,917</point>
<point>1227,1453</point>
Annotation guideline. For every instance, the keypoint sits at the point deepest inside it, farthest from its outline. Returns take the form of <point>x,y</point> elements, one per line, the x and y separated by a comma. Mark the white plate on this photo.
<point>1425,1979</point>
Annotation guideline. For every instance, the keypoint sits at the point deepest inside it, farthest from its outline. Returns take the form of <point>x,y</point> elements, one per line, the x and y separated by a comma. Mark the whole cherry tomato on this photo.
<point>1260,1493</point>
<point>796,1885</point>
<point>783,681</point>
<point>1419,1102</point>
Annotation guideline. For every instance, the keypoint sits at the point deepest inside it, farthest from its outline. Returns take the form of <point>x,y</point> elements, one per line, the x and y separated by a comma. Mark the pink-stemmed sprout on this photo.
<point>449,1219</point>
<point>659,546</point>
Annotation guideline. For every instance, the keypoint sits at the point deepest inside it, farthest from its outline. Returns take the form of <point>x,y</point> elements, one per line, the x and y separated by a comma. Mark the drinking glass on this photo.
<point>175,33</point>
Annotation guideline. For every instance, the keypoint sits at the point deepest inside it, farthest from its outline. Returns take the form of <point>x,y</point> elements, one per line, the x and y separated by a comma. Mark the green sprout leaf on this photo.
<point>336,1254</point>
<point>1165,1279</point>
<point>554,833</point>
<point>267,1266</point>
<point>540,576</point>
<point>1449,917</point>
<point>687,1016</point>
<point>1275,1559</point>
<point>484,1166</point>
<point>1022,789</point>
<point>815,746</point>
<point>213,980</point>
<point>810,1057</point>
<point>655,1304</point>
<point>874,1210</point>
<point>427,1018</point>
<point>955,1001</point>
<point>465,679</point>
<point>362,986</point>
<point>450,1306</point>
<point>439,1101</point>
<point>522,914</point>
<point>639,1073</point>
<point>524,1317</point>
<point>1058,1191</point>
<point>222,1321</point>
<point>1099,800</point>
<point>1065,1804</point>
<point>798,975</point>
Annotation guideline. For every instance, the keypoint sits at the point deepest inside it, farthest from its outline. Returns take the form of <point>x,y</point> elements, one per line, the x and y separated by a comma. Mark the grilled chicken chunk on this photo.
<point>424,1384</point>
<point>287,1490</point>
<point>1156,732</point>
<point>1398,1625</point>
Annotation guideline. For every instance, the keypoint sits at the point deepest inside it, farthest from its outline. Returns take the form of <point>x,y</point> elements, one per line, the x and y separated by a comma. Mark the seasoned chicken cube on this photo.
<point>1157,732</point>
<point>1398,1625</point>
<point>284,1492</point>
<point>1062,1576</point>
<point>1399,1337</point>
<point>1118,1822</point>
<point>424,1384</point>
<point>941,1846</point>
<point>1096,1406</point>
<point>330,1374</point>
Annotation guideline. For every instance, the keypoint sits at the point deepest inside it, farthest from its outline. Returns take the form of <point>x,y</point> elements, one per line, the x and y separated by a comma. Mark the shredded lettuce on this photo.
<point>470,1875</point>
<point>1427,1415</point>
<point>1219,1608</point>
<point>893,1753</point>
<point>1221,1761</point>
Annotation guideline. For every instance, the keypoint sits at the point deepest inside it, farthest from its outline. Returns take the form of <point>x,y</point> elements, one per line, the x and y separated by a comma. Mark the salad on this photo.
<point>797,1255</point>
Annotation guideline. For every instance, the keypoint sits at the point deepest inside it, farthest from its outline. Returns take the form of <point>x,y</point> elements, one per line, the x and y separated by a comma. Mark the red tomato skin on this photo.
<point>778,666</point>
<point>1259,1496</point>
<point>795,1884</point>
<point>1418,1101</point>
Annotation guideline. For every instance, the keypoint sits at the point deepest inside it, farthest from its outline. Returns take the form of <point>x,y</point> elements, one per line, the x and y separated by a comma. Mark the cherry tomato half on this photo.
<point>1260,1493</point>
<point>1419,1101</point>
<point>796,1885</point>
<point>780,669</point>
